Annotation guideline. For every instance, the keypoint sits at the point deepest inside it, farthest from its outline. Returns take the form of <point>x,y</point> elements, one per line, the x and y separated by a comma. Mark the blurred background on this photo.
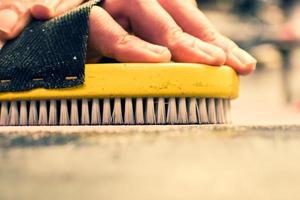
<point>269,30</point>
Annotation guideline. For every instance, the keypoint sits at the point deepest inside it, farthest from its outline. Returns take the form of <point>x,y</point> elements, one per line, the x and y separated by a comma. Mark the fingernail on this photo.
<point>244,58</point>
<point>8,20</point>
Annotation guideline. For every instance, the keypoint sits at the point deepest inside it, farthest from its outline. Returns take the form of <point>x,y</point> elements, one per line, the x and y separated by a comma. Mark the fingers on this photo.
<point>108,38</point>
<point>46,9</point>
<point>14,17</point>
<point>194,22</point>
<point>155,25</point>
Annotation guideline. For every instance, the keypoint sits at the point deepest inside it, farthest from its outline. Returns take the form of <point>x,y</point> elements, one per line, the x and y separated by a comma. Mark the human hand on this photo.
<point>16,14</point>
<point>162,29</point>
<point>182,28</point>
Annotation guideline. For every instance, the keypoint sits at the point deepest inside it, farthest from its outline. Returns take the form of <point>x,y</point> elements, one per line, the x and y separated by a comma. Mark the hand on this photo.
<point>16,14</point>
<point>162,29</point>
<point>182,28</point>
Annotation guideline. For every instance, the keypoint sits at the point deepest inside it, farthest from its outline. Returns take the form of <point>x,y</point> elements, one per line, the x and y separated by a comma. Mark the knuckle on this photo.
<point>228,45</point>
<point>123,42</point>
<point>124,39</point>
<point>209,35</point>
<point>175,35</point>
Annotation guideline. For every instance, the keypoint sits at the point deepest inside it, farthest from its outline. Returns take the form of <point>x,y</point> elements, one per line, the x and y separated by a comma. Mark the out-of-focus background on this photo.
<point>269,30</point>
<point>255,158</point>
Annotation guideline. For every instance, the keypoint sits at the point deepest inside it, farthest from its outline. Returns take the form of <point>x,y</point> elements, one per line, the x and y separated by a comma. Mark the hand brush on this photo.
<point>129,94</point>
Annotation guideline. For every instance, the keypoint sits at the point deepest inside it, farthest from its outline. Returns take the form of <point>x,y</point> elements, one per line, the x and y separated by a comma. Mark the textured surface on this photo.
<point>151,163</point>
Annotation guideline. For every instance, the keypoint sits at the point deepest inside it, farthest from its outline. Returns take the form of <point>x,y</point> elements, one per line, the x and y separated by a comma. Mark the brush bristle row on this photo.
<point>118,111</point>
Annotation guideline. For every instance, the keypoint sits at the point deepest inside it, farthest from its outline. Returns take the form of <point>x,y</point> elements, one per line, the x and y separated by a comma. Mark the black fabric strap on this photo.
<point>47,54</point>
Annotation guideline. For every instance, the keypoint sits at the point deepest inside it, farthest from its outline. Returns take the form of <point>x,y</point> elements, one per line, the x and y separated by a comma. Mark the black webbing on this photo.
<point>47,54</point>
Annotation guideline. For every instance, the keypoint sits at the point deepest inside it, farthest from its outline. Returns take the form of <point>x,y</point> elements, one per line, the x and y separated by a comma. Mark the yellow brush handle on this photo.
<point>144,80</point>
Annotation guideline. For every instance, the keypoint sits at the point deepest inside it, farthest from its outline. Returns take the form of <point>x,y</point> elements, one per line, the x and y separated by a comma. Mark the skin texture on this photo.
<point>139,31</point>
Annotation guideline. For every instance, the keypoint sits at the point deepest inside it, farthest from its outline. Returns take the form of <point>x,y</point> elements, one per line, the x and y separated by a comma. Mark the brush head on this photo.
<point>117,111</point>
<point>129,94</point>
<point>143,80</point>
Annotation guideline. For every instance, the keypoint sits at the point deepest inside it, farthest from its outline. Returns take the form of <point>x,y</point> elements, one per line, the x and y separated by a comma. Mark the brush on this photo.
<point>129,94</point>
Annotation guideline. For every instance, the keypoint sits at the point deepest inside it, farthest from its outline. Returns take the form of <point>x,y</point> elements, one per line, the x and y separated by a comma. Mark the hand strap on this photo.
<point>47,54</point>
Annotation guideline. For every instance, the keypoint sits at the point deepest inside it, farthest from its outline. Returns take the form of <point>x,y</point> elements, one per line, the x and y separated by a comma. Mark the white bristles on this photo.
<point>128,114</point>
<point>64,113</point>
<point>4,114</point>
<point>117,117</point>
<point>150,111</point>
<point>106,117</point>
<point>203,114</point>
<point>227,109</point>
<point>182,111</point>
<point>13,114</point>
<point>128,111</point>
<point>33,114</point>
<point>220,111</point>
<point>85,112</point>
<point>139,111</point>
<point>192,110</point>
<point>43,116</point>
<point>53,113</point>
<point>96,115</point>
<point>161,111</point>
<point>172,111</point>
<point>23,113</point>
<point>74,112</point>
<point>212,111</point>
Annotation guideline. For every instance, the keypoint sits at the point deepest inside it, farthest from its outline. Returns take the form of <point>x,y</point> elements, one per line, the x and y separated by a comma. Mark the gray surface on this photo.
<point>192,162</point>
